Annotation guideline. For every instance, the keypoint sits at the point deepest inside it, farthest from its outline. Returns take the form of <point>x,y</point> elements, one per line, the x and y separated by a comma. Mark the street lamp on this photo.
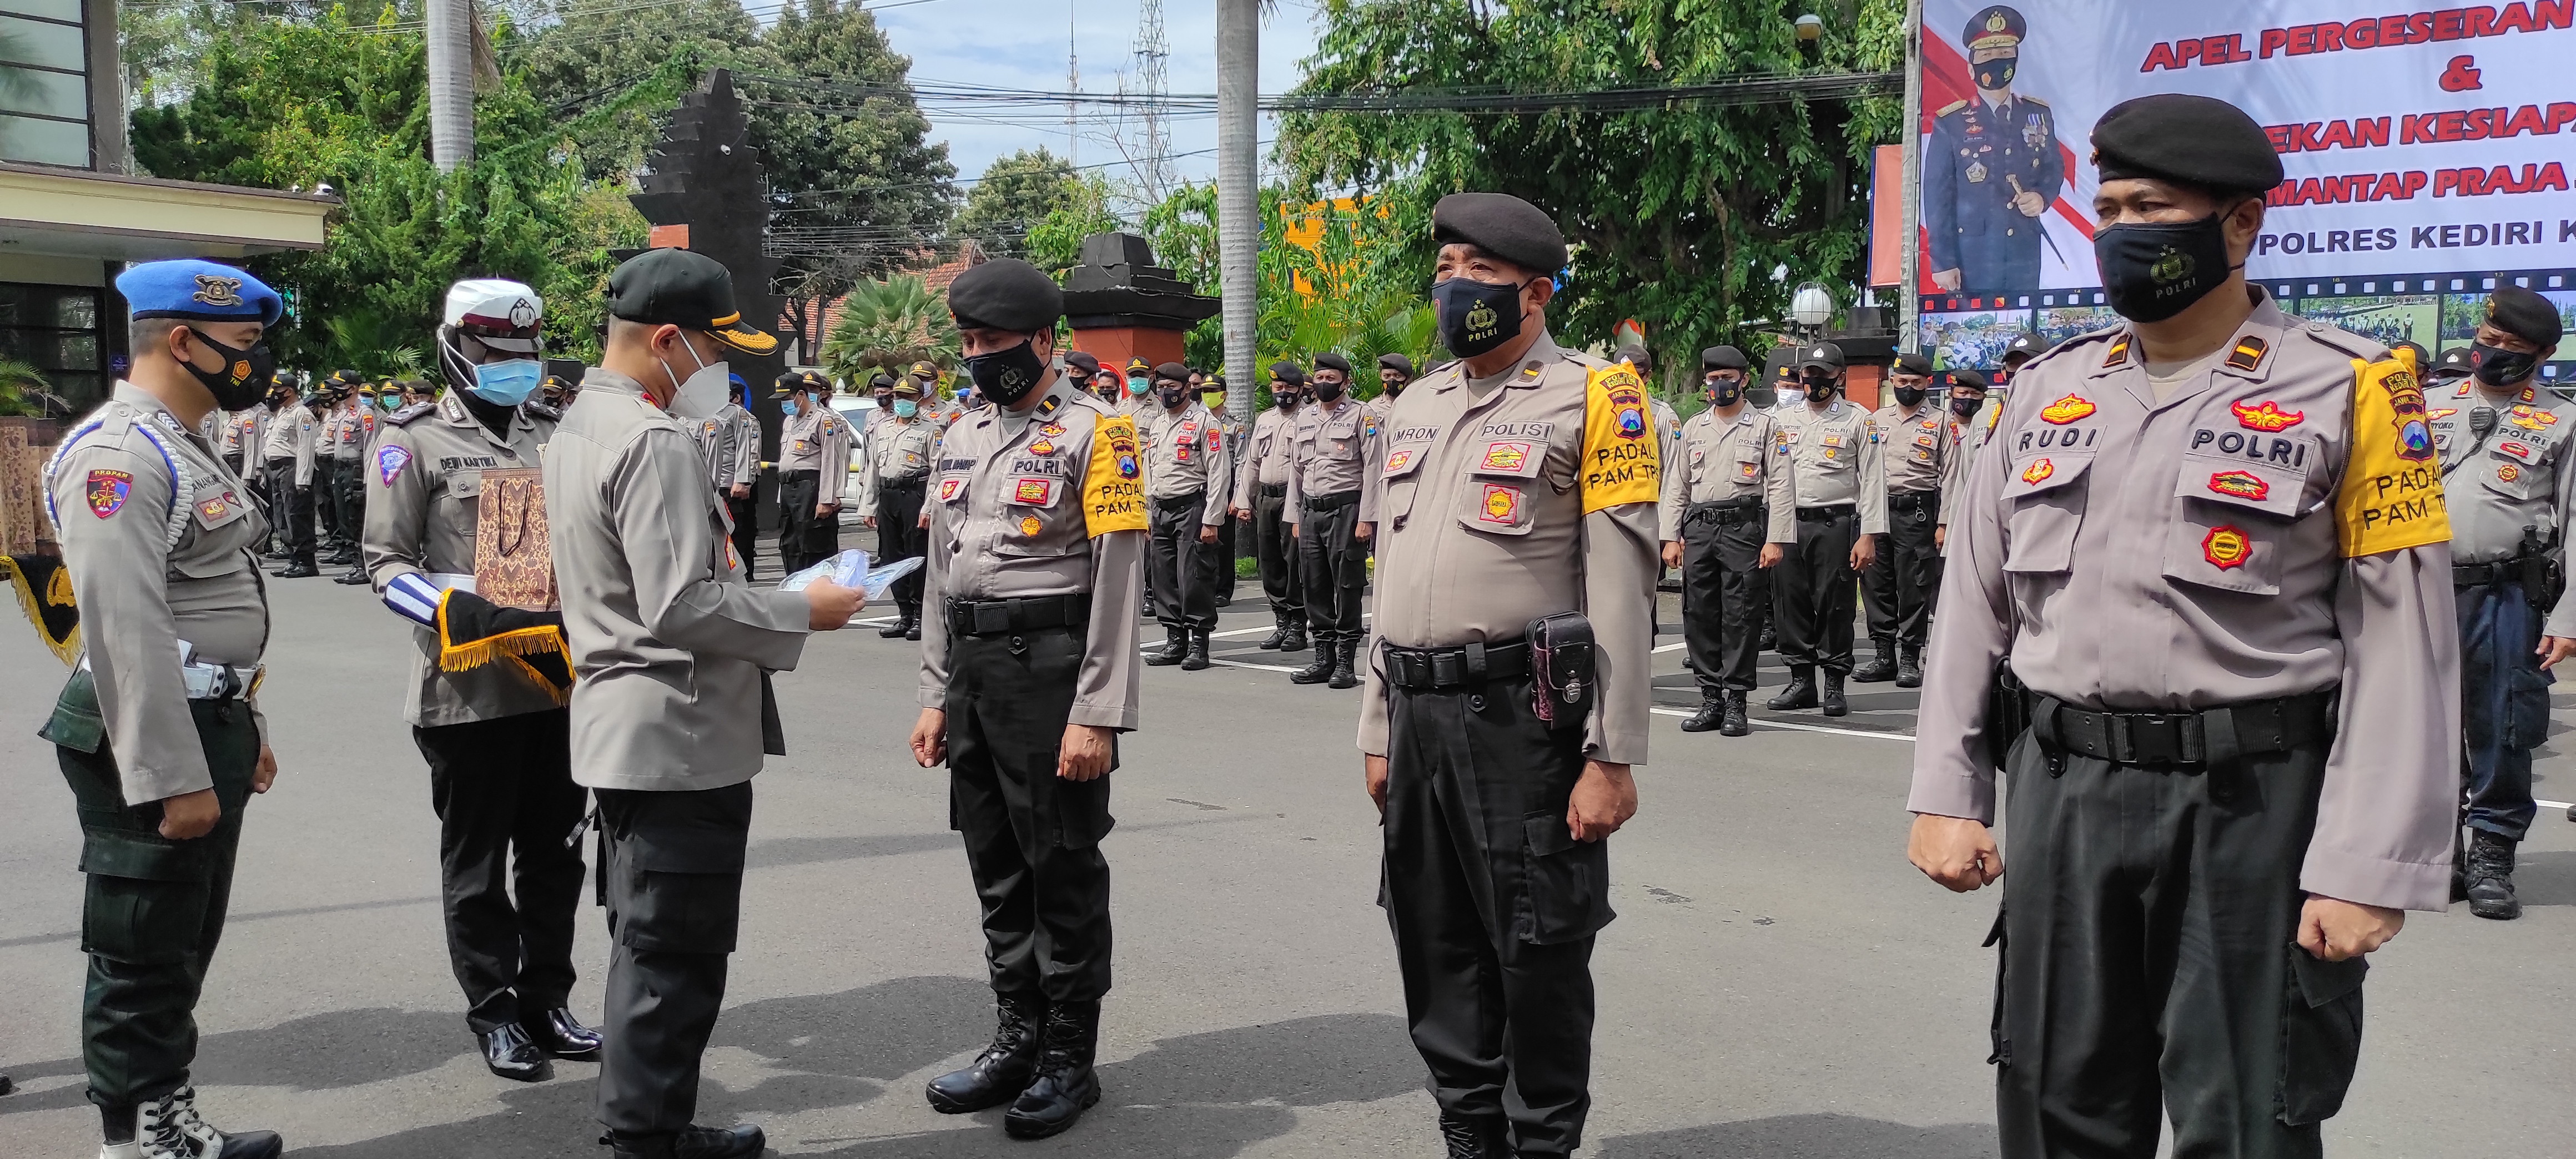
<point>1811,28</point>
<point>1811,306</point>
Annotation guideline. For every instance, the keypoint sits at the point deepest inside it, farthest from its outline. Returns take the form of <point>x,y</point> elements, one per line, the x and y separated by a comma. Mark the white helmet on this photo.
<point>497,312</point>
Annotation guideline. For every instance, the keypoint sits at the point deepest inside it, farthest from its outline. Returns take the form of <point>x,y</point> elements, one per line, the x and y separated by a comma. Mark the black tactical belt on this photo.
<point>1433,669</point>
<point>1727,510</point>
<point>1825,514</point>
<point>1333,502</point>
<point>1002,617</point>
<point>799,474</point>
<point>1273,490</point>
<point>1193,499</point>
<point>1912,500</point>
<point>915,483</point>
<point>2478,575</point>
<point>2184,738</point>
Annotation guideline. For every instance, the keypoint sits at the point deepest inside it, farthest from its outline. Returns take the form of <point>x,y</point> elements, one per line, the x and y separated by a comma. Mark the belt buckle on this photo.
<point>991,618</point>
<point>2153,739</point>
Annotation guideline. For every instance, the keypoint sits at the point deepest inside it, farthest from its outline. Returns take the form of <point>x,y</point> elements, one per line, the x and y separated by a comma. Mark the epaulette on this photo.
<point>2026,99</point>
<point>407,415</point>
<point>541,410</point>
<point>2341,339</point>
<point>2086,338</point>
<point>1950,108</point>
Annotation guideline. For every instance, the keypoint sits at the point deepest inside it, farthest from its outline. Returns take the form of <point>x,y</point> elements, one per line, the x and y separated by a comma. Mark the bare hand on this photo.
<point>1084,755</point>
<point>190,814</point>
<point>930,738</point>
<point>1603,800</point>
<point>1207,533</point>
<point>1955,851</point>
<point>1240,513</point>
<point>1864,552</point>
<point>263,774</point>
<point>2554,649</point>
<point>1361,531</point>
<point>2335,930</point>
<point>2030,203</point>
<point>1292,532</point>
<point>1672,553</point>
<point>1941,537</point>
<point>829,606</point>
<point>924,521</point>
<point>1945,279</point>
<point>742,490</point>
<point>824,510</point>
<point>1771,556</point>
<point>867,521</point>
<point>1373,775</point>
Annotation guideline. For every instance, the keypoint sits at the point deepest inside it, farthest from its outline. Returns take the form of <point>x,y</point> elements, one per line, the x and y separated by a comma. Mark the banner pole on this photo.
<point>1909,274</point>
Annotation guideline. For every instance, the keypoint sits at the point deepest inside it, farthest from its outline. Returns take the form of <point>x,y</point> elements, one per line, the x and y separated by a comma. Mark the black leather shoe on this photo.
<point>1198,657</point>
<point>1833,703</point>
<point>1801,692</point>
<point>998,1075</point>
<point>1735,724</point>
<point>1065,1086</point>
<point>895,630</point>
<point>1176,648</point>
<point>353,577</point>
<point>511,1055</point>
<point>1878,670</point>
<point>341,558</point>
<point>1471,1138</point>
<point>1321,669</point>
<point>1706,718</point>
<point>6,1085</point>
<point>1224,600</point>
<point>2490,877</point>
<point>740,1141</point>
<point>1345,661</point>
<point>1278,633</point>
<point>1770,641</point>
<point>300,569</point>
<point>912,627</point>
<point>561,1035</point>
<point>1909,666</point>
<point>1296,641</point>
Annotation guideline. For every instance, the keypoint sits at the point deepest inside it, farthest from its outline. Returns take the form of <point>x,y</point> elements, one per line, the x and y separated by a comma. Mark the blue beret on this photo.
<point>199,291</point>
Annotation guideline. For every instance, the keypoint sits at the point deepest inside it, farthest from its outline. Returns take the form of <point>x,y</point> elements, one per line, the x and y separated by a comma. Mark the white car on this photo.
<point>858,410</point>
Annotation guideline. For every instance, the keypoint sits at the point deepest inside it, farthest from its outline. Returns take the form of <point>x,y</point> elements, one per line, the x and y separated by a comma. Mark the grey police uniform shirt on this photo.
<point>2518,476</point>
<point>1185,455</point>
<point>1325,456</point>
<point>730,456</point>
<point>897,451</point>
<point>294,434</point>
<point>157,535</point>
<point>1972,437</point>
<point>355,428</point>
<point>1913,450</point>
<point>2138,556</point>
<point>1008,522</point>
<point>1727,459</point>
<point>815,439</point>
<point>1668,429</point>
<point>1267,456</point>
<point>668,641</point>
<point>1484,530</point>
<point>424,491</point>
<point>1834,458</point>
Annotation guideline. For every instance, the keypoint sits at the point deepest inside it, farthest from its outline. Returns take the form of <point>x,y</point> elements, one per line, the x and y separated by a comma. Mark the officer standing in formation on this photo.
<point>1189,477</point>
<point>1729,513</point>
<point>1842,509</point>
<point>1972,424</point>
<point>1028,673</point>
<point>1136,391</point>
<point>2509,479</point>
<point>1991,169</point>
<point>1394,372</point>
<point>734,464</point>
<point>2455,364</point>
<point>672,648</point>
<point>496,736</point>
<point>348,446</point>
<point>893,481</point>
<point>157,731</point>
<point>2238,766</point>
<point>1520,484</point>
<point>294,438</point>
<point>1211,390</point>
<point>1899,586</point>
<point>1325,478</point>
<point>1261,500</point>
<point>813,455</point>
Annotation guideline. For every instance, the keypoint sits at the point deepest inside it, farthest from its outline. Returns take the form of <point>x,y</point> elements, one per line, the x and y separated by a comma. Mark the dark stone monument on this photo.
<point>1121,305</point>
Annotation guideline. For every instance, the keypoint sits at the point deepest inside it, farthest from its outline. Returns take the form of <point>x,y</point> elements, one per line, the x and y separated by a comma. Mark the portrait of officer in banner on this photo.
<point>1991,169</point>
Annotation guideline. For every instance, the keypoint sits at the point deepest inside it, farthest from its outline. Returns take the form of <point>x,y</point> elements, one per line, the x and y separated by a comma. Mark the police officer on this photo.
<point>1085,371</point>
<point>1394,372</point>
<point>495,735</point>
<point>734,465</point>
<point>2018,353</point>
<point>1136,391</point>
<point>326,470</point>
<point>2454,364</point>
<point>157,732</point>
<point>813,455</point>
<point>295,453</point>
<point>671,646</point>
<point>1842,510</point>
<point>1261,500</point>
<point>1991,170</point>
<point>1325,481</point>
<point>1972,422</point>
<point>556,392</point>
<point>1729,512</point>
<point>276,497</point>
<point>2210,541</point>
<point>1914,451</point>
<point>2510,482</point>
<point>347,444</point>
<point>1211,390</point>
<point>1520,483</point>
<point>1189,476</point>
<point>1028,673</point>
<point>893,480</point>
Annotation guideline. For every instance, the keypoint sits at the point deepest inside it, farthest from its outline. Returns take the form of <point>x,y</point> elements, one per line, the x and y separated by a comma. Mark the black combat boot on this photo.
<point>1909,666</point>
<point>912,623</point>
<point>1711,710</point>
<point>1065,1086</point>
<point>561,1035</point>
<point>1198,657</point>
<point>902,621</point>
<point>741,1141</point>
<point>1176,647</point>
<point>1322,668</point>
<point>1296,641</point>
<point>1278,632</point>
<point>302,568</point>
<point>1834,704</point>
<point>1735,724</point>
<point>1346,653</point>
<point>1801,692</point>
<point>1770,641</point>
<point>1474,1138</point>
<point>1883,667</point>
<point>2490,876</point>
<point>998,1075</point>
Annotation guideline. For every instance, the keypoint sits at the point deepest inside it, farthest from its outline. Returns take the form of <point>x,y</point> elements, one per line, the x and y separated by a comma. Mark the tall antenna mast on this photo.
<point>1152,51</point>
<point>1072,91</point>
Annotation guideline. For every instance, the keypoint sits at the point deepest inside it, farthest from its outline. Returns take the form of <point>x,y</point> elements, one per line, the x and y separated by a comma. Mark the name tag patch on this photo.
<point>1030,466</point>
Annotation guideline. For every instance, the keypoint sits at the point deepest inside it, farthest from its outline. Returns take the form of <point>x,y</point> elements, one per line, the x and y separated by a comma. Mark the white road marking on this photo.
<point>1759,722</point>
<point>1673,647</point>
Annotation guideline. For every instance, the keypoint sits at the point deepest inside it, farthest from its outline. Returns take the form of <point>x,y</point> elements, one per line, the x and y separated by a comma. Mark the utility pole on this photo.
<point>451,83</point>
<point>1072,94</point>
<point>1238,194</point>
<point>1910,218</point>
<point>1152,51</point>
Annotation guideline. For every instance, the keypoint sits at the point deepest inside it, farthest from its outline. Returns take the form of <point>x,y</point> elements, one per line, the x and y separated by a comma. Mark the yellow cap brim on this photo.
<point>745,339</point>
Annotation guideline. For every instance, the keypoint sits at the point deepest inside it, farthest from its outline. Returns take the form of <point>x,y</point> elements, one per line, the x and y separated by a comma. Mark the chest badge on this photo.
<point>2067,410</point>
<point>390,461</point>
<point>1041,447</point>
<point>2241,484</point>
<point>2227,546</point>
<point>2520,451</point>
<point>1748,471</point>
<point>1502,505</point>
<point>1052,430</point>
<point>2038,470</point>
<point>2507,472</point>
<point>2439,415</point>
<point>948,488</point>
<point>107,491</point>
<point>1976,173</point>
<point>1029,525</point>
<point>1505,456</point>
<point>2532,419</point>
<point>216,508</point>
<point>2267,417</point>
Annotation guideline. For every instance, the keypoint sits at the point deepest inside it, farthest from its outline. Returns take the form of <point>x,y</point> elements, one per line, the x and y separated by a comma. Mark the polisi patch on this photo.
<point>390,461</point>
<point>2241,484</point>
<point>2067,410</point>
<point>2266,417</point>
<point>2520,451</point>
<point>1501,505</point>
<point>2227,546</point>
<point>1506,456</point>
<point>107,491</point>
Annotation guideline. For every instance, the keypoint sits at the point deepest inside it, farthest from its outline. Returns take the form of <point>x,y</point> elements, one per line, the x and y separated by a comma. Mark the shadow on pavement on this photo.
<point>1306,1062</point>
<point>1139,1131</point>
<point>342,1048</point>
<point>2545,878</point>
<point>1806,1137</point>
<point>777,852</point>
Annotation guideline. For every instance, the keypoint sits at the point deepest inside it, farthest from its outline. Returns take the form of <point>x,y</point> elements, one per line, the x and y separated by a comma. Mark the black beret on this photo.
<point>1967,378</point>
<point>2195,140</point>
<point>2423,359</point>
<point>1502,225</point>
<point>2455,362</point>
<point>1082,363</point>
<point>1397,363</point>
<point>1006,294</point>
<point>1821,354</point>
<point>1636,356</point>
<point>1331,361</point>
<point>1173,372</point>
<point>2025,345</point>
<point>1723,358</point>
<point>1913,363</point>
<point>882,381</point>
<point>1287,372</point>
<point>2524,315</point>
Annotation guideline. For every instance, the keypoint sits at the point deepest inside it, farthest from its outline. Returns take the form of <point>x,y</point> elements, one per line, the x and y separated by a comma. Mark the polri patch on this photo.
<point>2227,546</point>
<point>2267,417</point>
<point>107,491</point>
<point>390,461</point>
<point>1501,505</point>
<point>2241,484</point>
<point>2067,410</point>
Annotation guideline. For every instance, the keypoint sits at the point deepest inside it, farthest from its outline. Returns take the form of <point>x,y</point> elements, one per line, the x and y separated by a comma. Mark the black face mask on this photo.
<point>1965,406</point>
<point>1996,75</point>
<point>1476,316</point>
<point>1327,391</point>
<point>2152,272</point>
<point>1909,395</point>
<point>1820,389</point>
<point>2497,366</point>
<point>1172,396</point>
<point>1394,386</point>
<point>242,379</point>
<point>1723,391</point>
<point>1287,399</point>
<point>1006,376</point>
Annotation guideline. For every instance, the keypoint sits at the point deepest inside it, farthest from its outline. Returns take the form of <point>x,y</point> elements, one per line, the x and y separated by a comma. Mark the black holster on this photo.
<point>1562,661</point>
<point>2007,712</point>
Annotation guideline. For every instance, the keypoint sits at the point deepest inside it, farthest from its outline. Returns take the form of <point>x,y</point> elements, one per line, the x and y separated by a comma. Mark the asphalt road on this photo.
<point>1779,984</point>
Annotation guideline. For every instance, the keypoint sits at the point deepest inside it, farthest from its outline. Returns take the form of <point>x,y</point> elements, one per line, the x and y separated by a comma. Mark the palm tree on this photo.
<point>891,323</point>
<point>22,390</point>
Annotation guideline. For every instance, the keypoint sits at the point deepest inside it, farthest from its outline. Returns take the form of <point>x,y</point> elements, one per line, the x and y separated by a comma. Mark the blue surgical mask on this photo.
<point>1139,384</point>
<point>905,408</point>
<point>508,383</point>
<point>788,407</point>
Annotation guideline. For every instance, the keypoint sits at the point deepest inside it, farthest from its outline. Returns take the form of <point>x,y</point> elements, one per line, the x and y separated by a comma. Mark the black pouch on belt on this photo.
<point>2007,711</point>
<point>1561,666</point>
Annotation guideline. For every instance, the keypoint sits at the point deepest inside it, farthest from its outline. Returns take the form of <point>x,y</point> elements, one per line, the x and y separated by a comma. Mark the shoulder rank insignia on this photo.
<point>2118,353</point>
<point>2268,417</point>
<point>2066,410</point>
<point>2248,353</point>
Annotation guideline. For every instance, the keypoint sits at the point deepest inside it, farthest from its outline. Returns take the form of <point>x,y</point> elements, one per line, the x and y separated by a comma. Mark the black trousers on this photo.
<point>2150,965</point>
<point>1335,565</point>
<point>671,868</point>
<point>796,499</point>
<point>1182,569</point>
<point>1494,907</point>
<point>1723,591</point>
<point>1900,584</point>
<point>293,508</point>
<point>326,498</point>
<point>1032,839</point>
<point>504,787</point>
<point>1812,591</point>
<point>1225,558</point>
<point>900,536</point>
<point>349,491</point>
<point>745,513</point>
<point>2504,704</point>
<point>154,908</point>
<point>1274,554</point>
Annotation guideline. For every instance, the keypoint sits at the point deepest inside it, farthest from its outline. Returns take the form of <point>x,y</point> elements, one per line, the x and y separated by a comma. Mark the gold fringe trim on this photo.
<point>455,657</point>
<point>57,592</point>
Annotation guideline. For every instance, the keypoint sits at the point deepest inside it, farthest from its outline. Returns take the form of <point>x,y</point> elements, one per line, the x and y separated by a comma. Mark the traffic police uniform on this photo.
<point>1914,452</point>
<point>2229,603</point>
<point>1725,495</point>
<point>1269,457</point>
<point>1037,537</point>
<point>1189,477</point>
<point>159,538</point>
<point>893,481</point>
<point>1985,151</point>
<point>349,446</point>
<point>813,456</point>
<point>671,647</point>
<point>1325,478</point>
<point>2509,482</point>
<point>1842,494</point>
<point>1527,495</point>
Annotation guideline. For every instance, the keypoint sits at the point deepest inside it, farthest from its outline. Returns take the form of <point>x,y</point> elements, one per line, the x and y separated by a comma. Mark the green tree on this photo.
<point>1015,193</point>
<point>889,325</point>
<point>1055,242</point>
<point>579,53</point>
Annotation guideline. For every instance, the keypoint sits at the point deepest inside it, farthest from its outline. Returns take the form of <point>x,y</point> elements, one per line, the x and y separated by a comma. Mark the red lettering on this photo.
<point>2303,40</point>
<point>2448,125</point>
<point>2445,181</point>
<point>2551,178</point>
<point>2476,127</point>
<point>2272,40</point>
<point>2161,56</point>
<point>2560,114</point>
<point>2329,38</point>
<point>2450,24</point>
<point>2363,33</point>
<point>2415,180</point>
<point>2419,27</point>
<point>2548,14</point>
<point>2372,133</point>
<point>2390,188</point>
<point>2392,30</point>
<point>2482,21</point>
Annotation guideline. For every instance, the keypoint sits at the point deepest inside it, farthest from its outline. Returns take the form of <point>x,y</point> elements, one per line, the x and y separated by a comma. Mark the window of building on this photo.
<point>56,330</point>
<point>44,83</point>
